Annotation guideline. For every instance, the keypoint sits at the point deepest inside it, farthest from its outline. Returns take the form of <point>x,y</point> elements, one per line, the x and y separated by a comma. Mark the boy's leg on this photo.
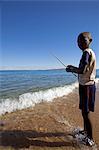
<point>87,124</point>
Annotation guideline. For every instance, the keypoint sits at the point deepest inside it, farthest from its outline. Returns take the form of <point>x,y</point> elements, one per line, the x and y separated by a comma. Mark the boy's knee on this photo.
<point>85,114</point>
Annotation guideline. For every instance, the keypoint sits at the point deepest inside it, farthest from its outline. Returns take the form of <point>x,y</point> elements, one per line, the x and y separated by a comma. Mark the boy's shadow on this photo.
<point>25,139</point>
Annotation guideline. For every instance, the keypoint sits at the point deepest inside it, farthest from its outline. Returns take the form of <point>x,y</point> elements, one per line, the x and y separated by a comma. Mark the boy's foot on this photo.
<point>79,131</point>
<point>87,141</point>
<point>82,132</point>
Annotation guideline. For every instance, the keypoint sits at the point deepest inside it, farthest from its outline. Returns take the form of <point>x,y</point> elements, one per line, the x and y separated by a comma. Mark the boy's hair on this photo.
<point>86,36</point>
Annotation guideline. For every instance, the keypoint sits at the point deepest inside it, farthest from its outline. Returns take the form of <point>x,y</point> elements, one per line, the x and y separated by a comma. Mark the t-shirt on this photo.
<point>88,66</point>
<point>84,60</point>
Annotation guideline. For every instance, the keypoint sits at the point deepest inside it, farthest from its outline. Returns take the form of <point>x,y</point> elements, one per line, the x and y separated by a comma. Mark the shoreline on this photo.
<point>46,125</point>
<point>30,99</point>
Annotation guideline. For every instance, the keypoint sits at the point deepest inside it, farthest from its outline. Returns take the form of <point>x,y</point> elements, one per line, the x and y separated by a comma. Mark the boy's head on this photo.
<point>84,40</point>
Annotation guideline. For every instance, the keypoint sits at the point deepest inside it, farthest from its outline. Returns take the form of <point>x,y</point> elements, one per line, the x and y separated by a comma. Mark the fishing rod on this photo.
<point>61,63</point>
<point>59,60</point>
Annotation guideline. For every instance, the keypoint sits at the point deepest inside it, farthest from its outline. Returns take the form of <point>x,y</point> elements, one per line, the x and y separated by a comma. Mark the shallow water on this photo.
<point>22,89</point>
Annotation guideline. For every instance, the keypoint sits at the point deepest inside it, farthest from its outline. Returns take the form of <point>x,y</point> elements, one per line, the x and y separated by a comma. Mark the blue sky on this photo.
<point>31,29</point>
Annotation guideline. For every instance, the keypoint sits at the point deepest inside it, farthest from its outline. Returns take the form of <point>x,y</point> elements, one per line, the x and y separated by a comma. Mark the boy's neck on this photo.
<point>85,49</point>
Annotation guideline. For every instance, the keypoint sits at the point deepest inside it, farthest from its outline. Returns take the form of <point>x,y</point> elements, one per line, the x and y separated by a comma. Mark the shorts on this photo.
<point>87,97</point>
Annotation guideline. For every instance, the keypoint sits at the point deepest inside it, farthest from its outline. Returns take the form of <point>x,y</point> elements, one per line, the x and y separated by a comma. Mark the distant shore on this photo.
<point>5,68</point>
<point>46,126</point>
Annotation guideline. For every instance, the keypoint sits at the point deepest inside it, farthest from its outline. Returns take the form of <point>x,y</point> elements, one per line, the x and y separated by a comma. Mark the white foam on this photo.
<point>30,99</point>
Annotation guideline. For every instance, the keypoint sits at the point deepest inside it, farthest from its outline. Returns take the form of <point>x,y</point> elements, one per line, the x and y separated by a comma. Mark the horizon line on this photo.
<point>9,68</point>
<point>27,68</point>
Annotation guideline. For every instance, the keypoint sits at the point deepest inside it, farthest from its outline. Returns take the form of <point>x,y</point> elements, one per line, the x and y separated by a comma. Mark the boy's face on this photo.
<point>82,43</point>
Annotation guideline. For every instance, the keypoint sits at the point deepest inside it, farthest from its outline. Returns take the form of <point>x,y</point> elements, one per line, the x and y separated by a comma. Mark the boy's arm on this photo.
<point>82,68</point>
<point>74,69</point>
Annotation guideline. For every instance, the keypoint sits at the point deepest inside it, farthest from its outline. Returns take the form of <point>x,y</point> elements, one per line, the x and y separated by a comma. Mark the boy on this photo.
<point>86,77</point>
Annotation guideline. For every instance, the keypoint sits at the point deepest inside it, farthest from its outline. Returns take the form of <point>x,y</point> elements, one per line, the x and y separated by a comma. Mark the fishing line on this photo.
<point>61,62</point>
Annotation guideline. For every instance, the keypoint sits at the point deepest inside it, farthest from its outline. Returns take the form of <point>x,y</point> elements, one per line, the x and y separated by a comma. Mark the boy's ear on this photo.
<point>90,40</point>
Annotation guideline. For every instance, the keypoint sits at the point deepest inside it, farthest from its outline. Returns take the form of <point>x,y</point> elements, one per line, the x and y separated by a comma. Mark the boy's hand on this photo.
<point>69,68</point>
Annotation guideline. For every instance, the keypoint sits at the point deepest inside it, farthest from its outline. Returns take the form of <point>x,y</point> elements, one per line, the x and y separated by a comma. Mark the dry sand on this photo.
<point>46,126</point>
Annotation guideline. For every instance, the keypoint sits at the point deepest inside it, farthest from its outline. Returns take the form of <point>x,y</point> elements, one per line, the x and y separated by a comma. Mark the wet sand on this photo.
<point>47,126</point>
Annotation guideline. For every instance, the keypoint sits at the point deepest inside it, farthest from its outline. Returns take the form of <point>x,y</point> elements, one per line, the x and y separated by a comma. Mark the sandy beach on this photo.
<point>47,126</point>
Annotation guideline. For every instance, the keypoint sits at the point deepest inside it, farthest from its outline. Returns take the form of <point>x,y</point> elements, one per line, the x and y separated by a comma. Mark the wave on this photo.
<point>30,99</point>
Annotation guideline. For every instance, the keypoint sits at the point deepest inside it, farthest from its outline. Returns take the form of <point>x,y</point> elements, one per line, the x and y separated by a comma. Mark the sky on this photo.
<point>31,30</point>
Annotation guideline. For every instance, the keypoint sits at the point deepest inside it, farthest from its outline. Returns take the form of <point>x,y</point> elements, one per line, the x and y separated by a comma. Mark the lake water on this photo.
<point>22,89</point>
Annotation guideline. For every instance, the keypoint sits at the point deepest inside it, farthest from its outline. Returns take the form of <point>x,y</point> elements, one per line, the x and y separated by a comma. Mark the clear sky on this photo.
<point>29,30</point>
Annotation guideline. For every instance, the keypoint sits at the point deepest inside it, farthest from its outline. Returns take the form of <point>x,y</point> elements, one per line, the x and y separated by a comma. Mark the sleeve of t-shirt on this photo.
<point>85,60</point>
